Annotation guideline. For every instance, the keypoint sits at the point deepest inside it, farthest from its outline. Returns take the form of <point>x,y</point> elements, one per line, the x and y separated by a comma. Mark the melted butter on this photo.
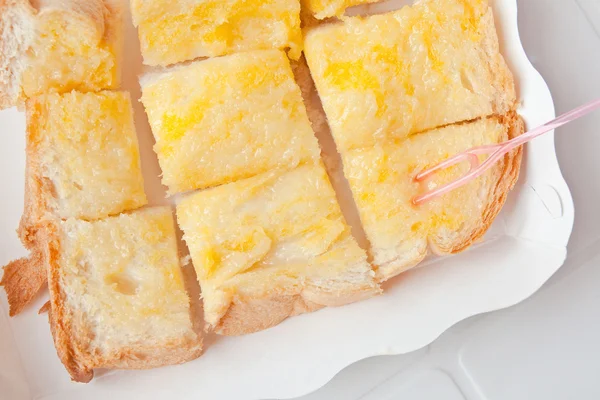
<point>218,27</point>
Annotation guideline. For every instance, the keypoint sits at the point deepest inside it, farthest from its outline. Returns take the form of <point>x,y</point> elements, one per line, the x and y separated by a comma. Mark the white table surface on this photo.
<point>547,347</point>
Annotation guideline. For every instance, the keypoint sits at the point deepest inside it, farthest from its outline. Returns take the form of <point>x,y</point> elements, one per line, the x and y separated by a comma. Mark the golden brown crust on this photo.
<point>25,277</point>
<point>508,174</point>
<point>60,323</point>
<point>247,315</point>
<point>22,280</point>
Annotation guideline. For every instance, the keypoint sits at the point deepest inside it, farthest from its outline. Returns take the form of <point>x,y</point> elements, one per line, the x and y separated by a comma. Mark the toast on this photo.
<point>425,66</point>
<point>270,247</point>
<point>82,162</point>
<point>117,295</point>
<point>244,116</point>
<point>401,234</point>
<point>58,46</point>
<point>183,30</point>
<point>322,9</point>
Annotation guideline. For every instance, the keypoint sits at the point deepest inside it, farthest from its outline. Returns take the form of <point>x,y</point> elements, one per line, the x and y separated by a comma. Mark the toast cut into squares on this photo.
<point>58,46</point>
<point>422,67</point>
<point>224,119</point>
<point>182,30</point>
<point>322,9</point>
<point>383,186</point>
<point>83,159</point>
<point>270,247</point>
<point>117,295</point>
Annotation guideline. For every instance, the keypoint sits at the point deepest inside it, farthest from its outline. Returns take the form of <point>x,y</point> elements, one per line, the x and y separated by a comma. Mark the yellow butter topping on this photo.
<point>276,231</point>
<point>86,146</point>
<point>245,116</point>
<point>187,29</point>
<point>387,76</point>
<point>381,179</point>
<point>122,276</point>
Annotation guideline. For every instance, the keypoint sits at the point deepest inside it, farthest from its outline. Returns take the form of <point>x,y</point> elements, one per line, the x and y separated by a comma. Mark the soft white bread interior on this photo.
<point>401,234</point>
<point>270,247</point>
<point>243,116</point>
<point>58,45</point>
<point>174,31</point>
<point>388,76</point>
<point>82,162</point>
<point>117,295</point>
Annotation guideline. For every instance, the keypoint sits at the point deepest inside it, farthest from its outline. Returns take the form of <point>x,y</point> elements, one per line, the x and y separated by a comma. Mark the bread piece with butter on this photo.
<point>82,162</point>
<point>381,179</point>
<point>117,294</point>
<point>182,30</point>
<point>229,118</point>
<point>57,46</point>
<point>270,247</point>
<point>425,66</point>
<point>322,9</point>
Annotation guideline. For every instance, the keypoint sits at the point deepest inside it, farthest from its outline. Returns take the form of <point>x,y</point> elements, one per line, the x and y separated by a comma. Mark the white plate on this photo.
<point>526,245</point>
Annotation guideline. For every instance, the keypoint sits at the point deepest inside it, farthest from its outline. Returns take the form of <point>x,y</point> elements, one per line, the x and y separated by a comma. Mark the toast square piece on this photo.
<point>425,66</point>
<point>270,247</point>
<point>58,46</point>
<point>117,294</point>
<point>322,9</point>
<point>224,119</point>
<point>182,30</point>
<point>381,179</point>
<point>83,159</point>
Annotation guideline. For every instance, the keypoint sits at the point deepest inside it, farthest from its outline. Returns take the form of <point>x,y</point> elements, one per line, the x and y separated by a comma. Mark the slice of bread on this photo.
<point>229,118</point>
<point>388,76</point>
<point>83,159</point>
<point>180,30</point>
<point>270,247</point>
<point>82,162</point>
<point>322,9</point>
<point>58,46</point>
<point>381,179</point>
<point>117,295</point>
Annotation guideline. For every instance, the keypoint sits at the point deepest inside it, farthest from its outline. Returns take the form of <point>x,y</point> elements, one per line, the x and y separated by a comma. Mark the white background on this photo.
<point>547,347</point>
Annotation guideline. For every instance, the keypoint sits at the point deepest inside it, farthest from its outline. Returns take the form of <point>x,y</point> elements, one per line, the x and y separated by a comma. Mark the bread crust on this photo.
<point>247,314</point>
<point>70,342</point>
<point>25,277</point>
<point>22,280</point>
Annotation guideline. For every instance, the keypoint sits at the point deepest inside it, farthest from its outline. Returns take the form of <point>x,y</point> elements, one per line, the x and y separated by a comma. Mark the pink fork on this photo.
<point>495,151</point>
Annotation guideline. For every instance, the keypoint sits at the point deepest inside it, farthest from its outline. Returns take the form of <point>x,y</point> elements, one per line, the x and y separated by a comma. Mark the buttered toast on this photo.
<point>270,247</point>
<point>82,162</point>
<point>391,75</point>
<point>244,116</point>
<point>381,179</point>
<point>117,295</point>
<point>174,31</point>
<point>58,46</point>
